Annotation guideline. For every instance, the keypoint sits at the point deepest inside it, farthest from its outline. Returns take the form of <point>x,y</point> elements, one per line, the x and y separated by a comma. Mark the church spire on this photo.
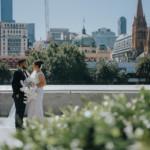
<point>139,12</point>
<point>139,31</point>
<point>83,30</point>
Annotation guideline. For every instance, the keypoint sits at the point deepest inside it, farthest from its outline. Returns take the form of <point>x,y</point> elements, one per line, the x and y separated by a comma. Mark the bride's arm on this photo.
<point>42,81</point>
<point>28,73</point>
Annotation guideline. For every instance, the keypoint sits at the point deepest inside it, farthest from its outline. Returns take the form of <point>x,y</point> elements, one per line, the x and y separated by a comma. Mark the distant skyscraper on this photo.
<point>6,11</point>
<point>31,33</point>
<point>122,26</point>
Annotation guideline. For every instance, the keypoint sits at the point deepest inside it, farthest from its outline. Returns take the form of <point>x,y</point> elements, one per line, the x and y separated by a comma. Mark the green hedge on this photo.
<point>116,124</point>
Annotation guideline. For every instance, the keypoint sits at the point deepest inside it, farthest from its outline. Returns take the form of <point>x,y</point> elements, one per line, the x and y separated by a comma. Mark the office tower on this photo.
<point>31,33</point>
<point>122,26</point>
<point>6,11</point>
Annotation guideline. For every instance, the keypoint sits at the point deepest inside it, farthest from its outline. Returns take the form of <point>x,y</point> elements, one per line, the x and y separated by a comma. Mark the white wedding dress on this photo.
<point>35,107</point>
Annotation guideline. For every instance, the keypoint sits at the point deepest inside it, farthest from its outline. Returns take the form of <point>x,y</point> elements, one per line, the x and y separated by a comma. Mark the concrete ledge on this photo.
<point>58,96</point>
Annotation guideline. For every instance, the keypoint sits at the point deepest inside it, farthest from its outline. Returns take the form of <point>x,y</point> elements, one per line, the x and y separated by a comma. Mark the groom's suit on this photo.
<point>19,102</point>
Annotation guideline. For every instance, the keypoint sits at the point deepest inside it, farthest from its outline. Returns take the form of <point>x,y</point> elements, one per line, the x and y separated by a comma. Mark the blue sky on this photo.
<point>70,13</point>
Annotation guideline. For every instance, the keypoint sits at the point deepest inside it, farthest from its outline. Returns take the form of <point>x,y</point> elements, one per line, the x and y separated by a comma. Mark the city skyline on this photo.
<point>70,14</point>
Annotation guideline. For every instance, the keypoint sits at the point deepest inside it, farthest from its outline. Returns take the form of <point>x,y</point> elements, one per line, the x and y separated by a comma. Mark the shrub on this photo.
<point>116,124</point>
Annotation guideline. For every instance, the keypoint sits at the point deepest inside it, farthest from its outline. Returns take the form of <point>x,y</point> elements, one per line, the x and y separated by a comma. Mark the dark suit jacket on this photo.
<point>16,85</point>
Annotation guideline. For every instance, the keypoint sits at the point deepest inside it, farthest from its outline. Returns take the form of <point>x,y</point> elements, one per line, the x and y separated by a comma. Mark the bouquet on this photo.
<point>29,88</point>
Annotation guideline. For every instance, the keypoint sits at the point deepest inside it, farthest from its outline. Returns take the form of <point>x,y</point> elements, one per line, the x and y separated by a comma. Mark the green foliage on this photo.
<point>116,124</point>
<point>66,64</point>
<point>123,77</point>
<point>62,64</point>
<point>5,73</point>
<point>143,68</point>
<point>106,72</point>
<point>36,55</point>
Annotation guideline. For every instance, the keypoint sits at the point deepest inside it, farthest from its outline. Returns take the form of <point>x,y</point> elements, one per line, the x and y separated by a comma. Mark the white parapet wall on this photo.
<point>59,96</point>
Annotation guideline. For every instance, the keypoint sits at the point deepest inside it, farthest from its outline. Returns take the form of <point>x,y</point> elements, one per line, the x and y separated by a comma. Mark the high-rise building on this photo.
<point>6,11</point>
<point>105,36</point>
<point>122,26</point>
<point>139,31</point>
<point>31,33</point>
<point>13,38</point>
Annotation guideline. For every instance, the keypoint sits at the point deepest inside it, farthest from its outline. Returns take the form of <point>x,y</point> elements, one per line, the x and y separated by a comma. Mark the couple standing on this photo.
<point>35,108</point>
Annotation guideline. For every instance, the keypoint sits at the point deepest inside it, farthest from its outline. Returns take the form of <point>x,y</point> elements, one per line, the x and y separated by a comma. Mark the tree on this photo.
<point>66,65</point>
<point>143,68</point>
<point>62,64</point>
<point>5,73</point>
<point>106,73</point>
<point>123,77</point>
<point>36,55</point>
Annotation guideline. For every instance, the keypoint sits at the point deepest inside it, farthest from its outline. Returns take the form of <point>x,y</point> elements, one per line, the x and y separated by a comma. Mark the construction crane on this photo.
<point>47,21</point>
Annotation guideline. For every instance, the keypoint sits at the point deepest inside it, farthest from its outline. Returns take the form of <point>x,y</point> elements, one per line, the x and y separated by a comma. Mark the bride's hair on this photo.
<point>38,63</point>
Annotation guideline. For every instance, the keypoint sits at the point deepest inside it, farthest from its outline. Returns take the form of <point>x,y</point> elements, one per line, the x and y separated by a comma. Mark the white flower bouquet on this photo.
<point>29,88</point>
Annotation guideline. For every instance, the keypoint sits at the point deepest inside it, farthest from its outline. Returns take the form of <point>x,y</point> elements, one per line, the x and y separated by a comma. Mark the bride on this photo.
<point>35,107</point>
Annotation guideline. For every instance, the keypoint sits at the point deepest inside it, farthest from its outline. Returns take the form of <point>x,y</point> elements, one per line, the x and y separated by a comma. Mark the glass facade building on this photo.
<point>6,11</point>
<point>31,33</point>
<point>122,26</point>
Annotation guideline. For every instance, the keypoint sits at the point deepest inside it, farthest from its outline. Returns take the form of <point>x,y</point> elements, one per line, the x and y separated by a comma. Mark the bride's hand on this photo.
<point>28,73</point>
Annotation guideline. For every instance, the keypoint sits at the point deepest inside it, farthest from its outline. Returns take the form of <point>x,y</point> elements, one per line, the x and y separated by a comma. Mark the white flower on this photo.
<point>109,146</point>
<point>88,114</point>
<point>139,132</point>
<point>134,100</point>
<point>59,125</point>
<point>56,118</point>
<point>105,103</point>
<point>146,123</point>
<point>29,88</point>
<point>128,105</point>
<point>95,107</point>
<point>76,108</point>
<point>74,143</point>
<point>109,119</point>
<point>129,131</point>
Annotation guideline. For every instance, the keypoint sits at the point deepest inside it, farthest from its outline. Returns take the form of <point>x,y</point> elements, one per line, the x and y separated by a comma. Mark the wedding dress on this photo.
<point>35,107</point>
<point>9,122</point>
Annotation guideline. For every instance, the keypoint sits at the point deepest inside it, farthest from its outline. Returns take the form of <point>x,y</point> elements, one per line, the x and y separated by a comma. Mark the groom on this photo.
<point>18,96</point>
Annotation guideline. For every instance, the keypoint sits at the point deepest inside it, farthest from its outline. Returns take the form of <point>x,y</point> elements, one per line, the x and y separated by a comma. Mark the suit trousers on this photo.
<point>20,110</point>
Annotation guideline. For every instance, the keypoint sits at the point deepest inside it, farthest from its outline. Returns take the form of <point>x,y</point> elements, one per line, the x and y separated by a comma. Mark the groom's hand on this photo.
<point>17,95</point>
